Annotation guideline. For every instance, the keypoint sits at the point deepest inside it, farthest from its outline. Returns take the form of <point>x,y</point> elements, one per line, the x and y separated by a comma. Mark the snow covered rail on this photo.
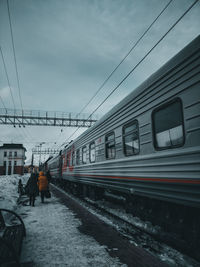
<point>12,231</point>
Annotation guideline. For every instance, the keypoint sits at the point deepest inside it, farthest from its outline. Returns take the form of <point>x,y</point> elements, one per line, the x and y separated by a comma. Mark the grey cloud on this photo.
<point>66,49</point>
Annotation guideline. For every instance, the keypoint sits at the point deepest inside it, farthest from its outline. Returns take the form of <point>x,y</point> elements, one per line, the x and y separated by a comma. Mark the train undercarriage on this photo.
<point>179,225</point>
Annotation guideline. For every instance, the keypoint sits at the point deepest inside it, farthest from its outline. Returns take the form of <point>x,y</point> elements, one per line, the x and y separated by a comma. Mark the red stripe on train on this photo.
<point>192,181</point>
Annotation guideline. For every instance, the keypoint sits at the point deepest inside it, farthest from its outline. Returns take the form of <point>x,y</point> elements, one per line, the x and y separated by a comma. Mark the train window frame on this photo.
<point>92,161</point>
<point>84,162</point>
<point>161,107</point>
<point>106,142</point>
<point>124,135</point>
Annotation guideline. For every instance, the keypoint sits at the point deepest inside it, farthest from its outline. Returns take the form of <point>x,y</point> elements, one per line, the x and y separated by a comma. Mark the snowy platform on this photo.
<point>54,240</point>
<point>60,232</point>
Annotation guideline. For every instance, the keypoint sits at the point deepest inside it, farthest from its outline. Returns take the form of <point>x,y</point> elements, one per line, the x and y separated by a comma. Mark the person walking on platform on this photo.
<point>32,188</point>
<point>43,185</point>
<point>48,175</point>
<point>20,188</point>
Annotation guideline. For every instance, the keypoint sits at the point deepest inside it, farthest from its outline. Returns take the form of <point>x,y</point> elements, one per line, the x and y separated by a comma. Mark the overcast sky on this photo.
<point>65,49</point>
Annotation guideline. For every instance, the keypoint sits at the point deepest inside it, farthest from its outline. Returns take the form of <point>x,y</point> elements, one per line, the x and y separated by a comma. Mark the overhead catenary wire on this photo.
<point>57,140</point>
<point>26,135</point>
<point>133,69</point>
<point>132,48</point>
<point>8,81</point>
<point>16,69</point>
<point>15,60</point>
<point>123,59</point>
<point>4,64</point>
<point>3,103</point>
<point>177,21</point>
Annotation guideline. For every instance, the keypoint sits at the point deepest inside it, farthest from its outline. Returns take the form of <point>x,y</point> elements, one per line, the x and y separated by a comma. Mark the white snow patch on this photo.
<point>53,238</point>
<point>8,190</point>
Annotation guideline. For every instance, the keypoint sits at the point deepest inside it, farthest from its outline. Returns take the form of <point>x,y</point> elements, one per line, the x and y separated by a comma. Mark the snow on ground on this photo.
<point>57,241</point>
<point>8,190</point>
<point>53,238</point>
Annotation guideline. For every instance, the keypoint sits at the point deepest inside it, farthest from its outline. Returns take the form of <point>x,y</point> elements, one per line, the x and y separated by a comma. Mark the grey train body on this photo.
<point>148,145</point>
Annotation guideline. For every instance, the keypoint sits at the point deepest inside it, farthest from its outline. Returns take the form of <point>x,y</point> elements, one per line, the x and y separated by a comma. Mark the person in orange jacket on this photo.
<point>42,184</point>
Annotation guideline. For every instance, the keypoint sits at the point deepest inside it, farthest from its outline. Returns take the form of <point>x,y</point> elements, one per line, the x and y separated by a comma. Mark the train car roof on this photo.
<point>53,159</point>
<point>169,65</point>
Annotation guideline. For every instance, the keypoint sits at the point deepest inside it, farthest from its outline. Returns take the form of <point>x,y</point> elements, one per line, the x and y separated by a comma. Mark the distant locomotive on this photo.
<point>147,148</point>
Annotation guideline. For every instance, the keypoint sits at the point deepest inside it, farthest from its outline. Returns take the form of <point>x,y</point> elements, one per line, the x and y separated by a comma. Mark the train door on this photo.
<point>60,166</point>
<point>64,162</point>
<point>70,159</point>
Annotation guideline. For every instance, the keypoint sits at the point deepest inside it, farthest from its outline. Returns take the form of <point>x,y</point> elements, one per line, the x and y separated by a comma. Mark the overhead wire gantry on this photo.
<point>44,118</point>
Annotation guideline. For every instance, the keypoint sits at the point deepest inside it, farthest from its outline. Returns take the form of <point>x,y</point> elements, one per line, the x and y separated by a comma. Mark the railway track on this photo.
<point>153,240</point>
<point>131,229</point>
<point>166,247</point>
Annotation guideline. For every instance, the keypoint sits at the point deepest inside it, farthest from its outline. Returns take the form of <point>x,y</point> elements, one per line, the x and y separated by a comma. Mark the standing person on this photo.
<point>20,188</point>
<point>48,175</point>
<point>32,188</point>
<point>43,185</point>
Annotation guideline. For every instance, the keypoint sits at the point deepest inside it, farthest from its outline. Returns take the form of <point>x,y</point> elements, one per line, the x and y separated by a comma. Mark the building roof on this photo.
<point>12,146</point>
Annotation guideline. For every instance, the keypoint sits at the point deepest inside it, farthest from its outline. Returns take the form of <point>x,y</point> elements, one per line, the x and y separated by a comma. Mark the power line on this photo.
<point>177,21</point>
<point>4,64</point>
<point>15,60</point>
<point>135,44</point>
<point>16,69</point>
<point>25,136</point>
<point>143,58</point>
<point>3,103</point>
<point>0,95</point>
<point>29,134</point>
<point>23,130</point>
<point>133,47</point>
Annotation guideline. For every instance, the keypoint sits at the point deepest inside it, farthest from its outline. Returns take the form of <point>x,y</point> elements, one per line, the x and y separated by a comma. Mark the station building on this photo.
<point>12,157</point>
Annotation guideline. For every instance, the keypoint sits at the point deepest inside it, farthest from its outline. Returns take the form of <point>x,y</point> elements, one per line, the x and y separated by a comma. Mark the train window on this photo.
<point>92,152</point>
<point>130,138</point>
<point>78,156</point>
<point>110,145</point>
<point>168,125</point>
<point>84,151</point>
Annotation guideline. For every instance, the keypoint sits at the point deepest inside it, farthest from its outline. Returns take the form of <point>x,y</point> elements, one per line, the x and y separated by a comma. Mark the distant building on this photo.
<point>12,157</point>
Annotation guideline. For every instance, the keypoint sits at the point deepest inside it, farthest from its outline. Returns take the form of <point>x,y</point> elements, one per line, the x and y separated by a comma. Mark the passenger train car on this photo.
<point>147,148</point>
